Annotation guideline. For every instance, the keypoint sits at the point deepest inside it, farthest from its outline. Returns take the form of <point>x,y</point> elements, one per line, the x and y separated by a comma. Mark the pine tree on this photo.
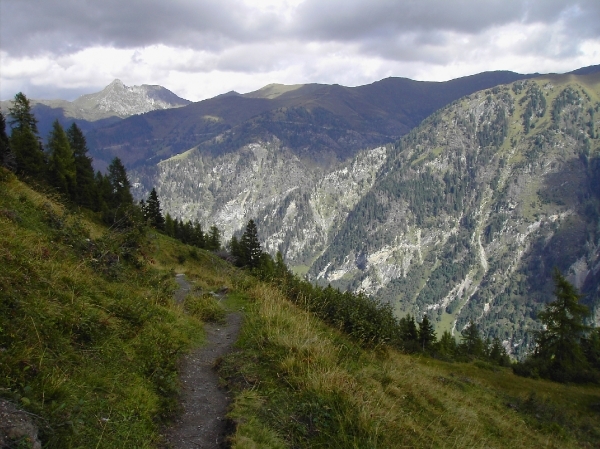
<point>472,344</point>
<point>559,344</point>
<point>213,239</point>
<point>409,334</point>
<point>24,140</point>
<point>169,225</point>
<point>447,345</point>
<point>120,186</point>
<point>7,158</point>
<point>250,249</point>
<point>85,194</point>
<point>498,353</point>
<point>120,199</point>
<point>61,170</point>
<point>427,337</point>
<point>153,213</point>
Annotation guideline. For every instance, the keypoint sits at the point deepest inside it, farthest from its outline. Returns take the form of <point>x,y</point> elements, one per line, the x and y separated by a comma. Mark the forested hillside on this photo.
<point>473,209</point>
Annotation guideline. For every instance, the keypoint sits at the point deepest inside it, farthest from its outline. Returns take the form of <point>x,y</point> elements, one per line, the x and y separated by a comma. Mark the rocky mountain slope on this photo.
<point>472,210</point>
<point>463,219</point>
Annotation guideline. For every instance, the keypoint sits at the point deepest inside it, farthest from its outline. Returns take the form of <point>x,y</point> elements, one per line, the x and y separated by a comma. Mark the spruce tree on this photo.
<point>427,336</point>
<point>409,334</point>
<point>472,344</point>
<point>153,213</point>
<point>559,345</point>
<point>24,140</point>
<point>250,246</point>
<point>61,170</point>
<point>121,196</point>
<point>7,158</point>
<point>213,239</point>
<point>85,194</point>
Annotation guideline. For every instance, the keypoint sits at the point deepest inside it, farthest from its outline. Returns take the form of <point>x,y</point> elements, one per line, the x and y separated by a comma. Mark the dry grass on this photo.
<point>299,383</point>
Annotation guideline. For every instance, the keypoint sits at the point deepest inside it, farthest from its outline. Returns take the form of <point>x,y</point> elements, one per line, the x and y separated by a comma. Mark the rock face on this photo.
<point>120,100</point>
<point>464,218</point>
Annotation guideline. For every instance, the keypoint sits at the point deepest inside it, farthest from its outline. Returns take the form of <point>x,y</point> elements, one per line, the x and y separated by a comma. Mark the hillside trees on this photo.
<point>566,347</point>
<point>86,191</point>
<point>7,158</point>
<point>61,167</point>
<point>152,212</point>
<point>24,140</point>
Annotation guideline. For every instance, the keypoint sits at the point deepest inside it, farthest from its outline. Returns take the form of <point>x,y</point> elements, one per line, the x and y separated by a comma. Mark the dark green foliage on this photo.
<point>562,346</point>
<point>119,200</point>
<point>446,347</point>
<point>61,162</point>
<point>498,354</point>
<point>86,192</point>
<point>213,239</point>
<point>249,249</point>
<point>21,114</point>
<point>472,344</point>
<point>492,132</point>
<point>536,106</point>
<point>7,158</point>
<point>427,337</point>
<point>409,334</point>
<point>152,212</point>
<point>24,141</point>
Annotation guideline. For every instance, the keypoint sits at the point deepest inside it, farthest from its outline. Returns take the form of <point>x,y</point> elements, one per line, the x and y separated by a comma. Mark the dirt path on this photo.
<point>202,422</point>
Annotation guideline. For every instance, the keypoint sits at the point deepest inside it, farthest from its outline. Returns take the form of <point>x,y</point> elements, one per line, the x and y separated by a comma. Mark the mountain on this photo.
<point>464,218</point>
<point>324,124</point>
<point>472,211</point>
<point>116,101</point>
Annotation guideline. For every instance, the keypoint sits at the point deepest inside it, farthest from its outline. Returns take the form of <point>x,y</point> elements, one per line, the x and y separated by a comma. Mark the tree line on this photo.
<point>63,164</point>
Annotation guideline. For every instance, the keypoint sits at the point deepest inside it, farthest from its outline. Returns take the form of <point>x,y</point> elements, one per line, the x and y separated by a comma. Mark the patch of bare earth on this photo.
<point>202,423</point>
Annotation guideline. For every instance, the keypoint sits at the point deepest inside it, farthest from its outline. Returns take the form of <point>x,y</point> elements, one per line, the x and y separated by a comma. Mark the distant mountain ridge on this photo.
<point>322,123</point>
<point>116,101</point>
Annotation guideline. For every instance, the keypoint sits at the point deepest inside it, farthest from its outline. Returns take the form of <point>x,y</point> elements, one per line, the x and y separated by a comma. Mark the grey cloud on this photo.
<point>62,26</point>
<point>384,28</point>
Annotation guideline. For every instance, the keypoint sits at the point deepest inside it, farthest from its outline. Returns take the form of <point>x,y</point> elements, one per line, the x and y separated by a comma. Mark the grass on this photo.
<point>89,342</point>
<point>299,383</point>
<point>89,333</point>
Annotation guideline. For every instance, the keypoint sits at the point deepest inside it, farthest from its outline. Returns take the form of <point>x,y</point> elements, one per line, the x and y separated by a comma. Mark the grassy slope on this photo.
<point>299,383</point>
<point>87,341</point>
<point>92,347</point>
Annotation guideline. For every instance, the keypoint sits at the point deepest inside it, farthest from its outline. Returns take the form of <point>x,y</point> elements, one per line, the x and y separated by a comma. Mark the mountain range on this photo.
<point>454,199</point>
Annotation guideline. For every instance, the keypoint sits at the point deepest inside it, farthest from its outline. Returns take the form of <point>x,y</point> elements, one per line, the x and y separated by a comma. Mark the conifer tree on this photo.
<point>61,170</point>
<point>472,344</point>
<point>213,239</point>
<point>85,194</point>
<point>559,344</point>
<point>447,345</point>
<point>169,225</point>
<point>120,200</point>
<point>427,336</point>
<point>24,141</point>
<point>121,196</point>
<point>152,211</point>
<point>250,249</point>
<point>409,333</point>
<point>7,158</point>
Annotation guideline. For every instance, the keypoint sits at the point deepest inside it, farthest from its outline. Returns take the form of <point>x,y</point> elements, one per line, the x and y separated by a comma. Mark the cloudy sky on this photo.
<point>201,48</point>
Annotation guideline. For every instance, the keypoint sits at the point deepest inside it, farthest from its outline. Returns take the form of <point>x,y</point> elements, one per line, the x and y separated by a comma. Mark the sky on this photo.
<point>201,48</point>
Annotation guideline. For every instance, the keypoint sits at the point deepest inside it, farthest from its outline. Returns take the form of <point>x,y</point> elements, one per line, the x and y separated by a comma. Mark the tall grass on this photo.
<point>300,383</point>
<point>89,334</point>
